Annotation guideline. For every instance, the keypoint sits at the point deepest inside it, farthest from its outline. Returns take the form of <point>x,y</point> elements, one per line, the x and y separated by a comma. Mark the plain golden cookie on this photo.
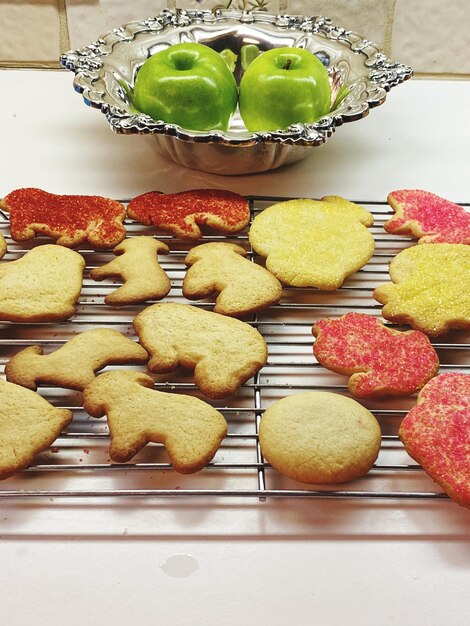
<point>74,365</point>
<point>28,425</point>
<point>319,437</point>
<point>310,243</point>
<point>3,246</point>
<point>137,265</point>
<point>243,287</point>
<point>224,352</point>
<point>41,286</point>
<point>431,288</point>
<point>190,429</point>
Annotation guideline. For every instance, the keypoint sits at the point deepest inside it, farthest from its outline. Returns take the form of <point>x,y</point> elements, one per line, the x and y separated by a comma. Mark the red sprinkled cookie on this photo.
<point>71,220</point>
<point>436,433</point>
<point>428,217</point>
<point>182,213</point>
<point>379,360</point>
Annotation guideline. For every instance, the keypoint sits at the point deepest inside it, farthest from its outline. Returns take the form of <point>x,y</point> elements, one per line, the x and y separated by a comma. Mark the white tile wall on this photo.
<point>88,19</point>
<point>366,17</point>
<point>433,36</point>
<point>240,5</point>
<point>29,31</point>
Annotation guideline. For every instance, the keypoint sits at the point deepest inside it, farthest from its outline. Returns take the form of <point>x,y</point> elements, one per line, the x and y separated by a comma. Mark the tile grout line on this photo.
<point>64,35</point>
<point>389,27</point>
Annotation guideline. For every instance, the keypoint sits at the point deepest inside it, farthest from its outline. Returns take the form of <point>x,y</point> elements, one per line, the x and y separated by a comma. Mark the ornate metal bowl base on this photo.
<point>105,73</point>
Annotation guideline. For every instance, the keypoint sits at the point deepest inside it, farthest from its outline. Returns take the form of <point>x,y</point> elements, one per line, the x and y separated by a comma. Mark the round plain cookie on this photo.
<point>319,437</point>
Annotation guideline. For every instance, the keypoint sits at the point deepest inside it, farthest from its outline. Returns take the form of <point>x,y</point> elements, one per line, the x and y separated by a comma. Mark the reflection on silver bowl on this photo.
<point>105,73</point>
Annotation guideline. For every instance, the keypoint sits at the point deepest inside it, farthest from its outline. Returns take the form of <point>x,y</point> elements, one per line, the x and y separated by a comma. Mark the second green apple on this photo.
<point>283,86</point>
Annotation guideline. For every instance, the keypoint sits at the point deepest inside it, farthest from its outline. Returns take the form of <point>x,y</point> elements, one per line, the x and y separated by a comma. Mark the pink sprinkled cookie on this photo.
<point>379,360</point>
<point>428,217</point>
<point>436,433</point>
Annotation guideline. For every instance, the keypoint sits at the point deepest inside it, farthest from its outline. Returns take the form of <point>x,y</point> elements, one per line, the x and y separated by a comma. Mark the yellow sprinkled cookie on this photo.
<point>431,289</point>
<point>310,243</point>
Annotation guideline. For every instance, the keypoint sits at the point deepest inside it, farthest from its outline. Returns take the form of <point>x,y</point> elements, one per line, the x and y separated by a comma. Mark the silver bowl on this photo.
<point>105,74</point>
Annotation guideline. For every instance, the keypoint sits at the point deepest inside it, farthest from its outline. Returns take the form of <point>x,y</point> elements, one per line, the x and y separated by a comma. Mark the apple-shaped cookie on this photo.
<point>284,86</point>
<point>187,84</point>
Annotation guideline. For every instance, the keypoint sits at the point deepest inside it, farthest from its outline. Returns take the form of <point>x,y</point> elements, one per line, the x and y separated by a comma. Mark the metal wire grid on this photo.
<point>78,465</point>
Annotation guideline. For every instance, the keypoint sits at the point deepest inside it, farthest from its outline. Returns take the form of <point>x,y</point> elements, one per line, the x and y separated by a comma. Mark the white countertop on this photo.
<point>234,561</point>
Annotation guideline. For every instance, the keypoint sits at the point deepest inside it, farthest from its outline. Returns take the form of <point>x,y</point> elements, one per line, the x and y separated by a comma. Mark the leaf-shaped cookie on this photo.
<point>182,213</point>
<point>74,364</point>
<point>436,433</point>
<point>310,243</point>
<point>243,287</point>
<point>28,425</point>
<point>71,220</point>
<point>224,352</point>
<point>428,217</point>
<point>380,360</point>
<point>190,429</point>
<point>41,286</point>
<point>431,289</point>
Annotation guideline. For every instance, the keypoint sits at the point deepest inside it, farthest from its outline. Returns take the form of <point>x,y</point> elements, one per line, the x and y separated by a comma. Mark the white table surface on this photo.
<point>237,561</point>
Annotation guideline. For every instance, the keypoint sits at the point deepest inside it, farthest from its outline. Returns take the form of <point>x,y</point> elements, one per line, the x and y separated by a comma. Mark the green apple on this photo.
<point>188,84</point>
<point>284,86</point>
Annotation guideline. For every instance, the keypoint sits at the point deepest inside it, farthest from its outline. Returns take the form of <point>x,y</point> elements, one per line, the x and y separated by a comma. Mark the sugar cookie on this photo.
<point>71,220</point>
<point>28,425</point>
<point>74,364</point>
<point>182,213</point>
<point>431,289</point>
<point>3,246</point>
<point>309,243</point>
<point>190,429</point>
<point>41,286</point>
<point>138,267</point>
<point>223,351</point>
<point>380,360</point>
<point>428,217</point>
<point>436,433</point>
<point>319,437</point>
<point>243,287</point>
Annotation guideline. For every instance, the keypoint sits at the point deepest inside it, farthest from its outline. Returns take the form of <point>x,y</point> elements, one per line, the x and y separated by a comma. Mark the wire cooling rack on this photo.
<point>78,464</point>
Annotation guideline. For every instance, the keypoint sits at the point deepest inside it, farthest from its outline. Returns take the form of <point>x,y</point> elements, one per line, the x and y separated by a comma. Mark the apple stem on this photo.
<point>287,64</point>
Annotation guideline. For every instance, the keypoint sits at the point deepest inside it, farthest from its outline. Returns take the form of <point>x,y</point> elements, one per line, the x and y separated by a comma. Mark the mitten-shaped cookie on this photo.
<point>428,217</point>
<point>380,360</point>
<point>243,287</point>
<point>431,288</point>
<point>190,429</point>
